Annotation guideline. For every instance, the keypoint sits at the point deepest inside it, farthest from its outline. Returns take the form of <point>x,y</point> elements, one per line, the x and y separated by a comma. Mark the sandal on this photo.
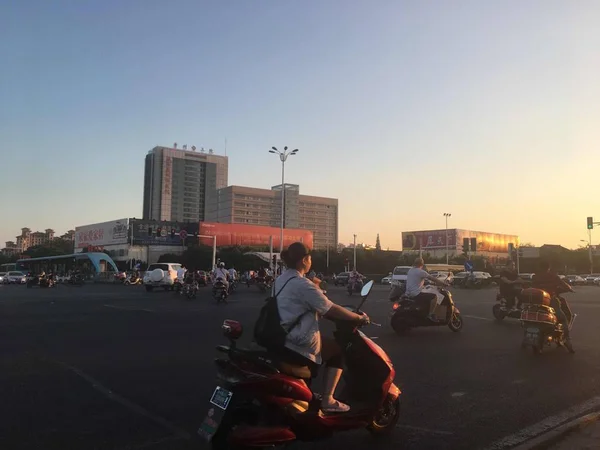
<point>335,407</point>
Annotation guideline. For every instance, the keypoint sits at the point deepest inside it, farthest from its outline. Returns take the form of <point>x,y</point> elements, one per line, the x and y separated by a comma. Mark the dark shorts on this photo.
<point>331,354</point>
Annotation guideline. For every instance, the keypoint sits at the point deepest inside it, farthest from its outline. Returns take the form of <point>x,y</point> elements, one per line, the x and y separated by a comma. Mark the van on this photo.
<point>399,275</point>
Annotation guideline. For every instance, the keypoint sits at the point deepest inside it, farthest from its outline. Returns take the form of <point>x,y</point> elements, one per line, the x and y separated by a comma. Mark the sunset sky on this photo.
<point>403,110</point>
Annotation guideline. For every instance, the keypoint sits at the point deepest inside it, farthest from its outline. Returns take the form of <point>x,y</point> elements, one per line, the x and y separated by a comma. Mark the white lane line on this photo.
<point>478,318</point>
<point>425,430</point>
<point>129,309</point>
<point>548,424</point>
<point>457,394</point>
<point>178,432</point>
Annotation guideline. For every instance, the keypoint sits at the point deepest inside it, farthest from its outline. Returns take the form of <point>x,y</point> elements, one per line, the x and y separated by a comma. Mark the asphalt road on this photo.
<point>115,367</point>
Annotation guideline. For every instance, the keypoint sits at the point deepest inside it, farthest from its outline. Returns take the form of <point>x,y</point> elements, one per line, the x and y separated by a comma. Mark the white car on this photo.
<point>399,275</point>
<point>161,275</point>
<point>15,278</point>
<point>3,278</point>
<point>387,279</point>
<point>443,276</point>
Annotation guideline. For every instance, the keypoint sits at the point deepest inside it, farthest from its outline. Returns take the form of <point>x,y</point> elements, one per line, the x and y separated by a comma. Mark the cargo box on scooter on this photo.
<point>534,296</point>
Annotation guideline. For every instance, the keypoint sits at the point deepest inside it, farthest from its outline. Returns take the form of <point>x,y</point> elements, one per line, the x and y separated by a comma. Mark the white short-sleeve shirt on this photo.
<point>301,296</point>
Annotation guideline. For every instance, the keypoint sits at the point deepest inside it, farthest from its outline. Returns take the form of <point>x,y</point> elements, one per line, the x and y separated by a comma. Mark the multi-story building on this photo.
<point>179,183</point>
<point>254,206</point>
<point>69,235</point>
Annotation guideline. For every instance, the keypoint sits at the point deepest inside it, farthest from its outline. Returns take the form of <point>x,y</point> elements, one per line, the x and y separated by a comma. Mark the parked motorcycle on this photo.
<point>132,280</point>
<point>76,279</point>
<point>407,313</point>
<point>220,291</point>
<point>263,402</point>
<point>356,286</point>
<point>541,326</point>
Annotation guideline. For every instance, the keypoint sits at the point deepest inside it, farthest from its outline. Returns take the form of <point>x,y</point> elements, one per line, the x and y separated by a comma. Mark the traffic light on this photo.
<point>274,261</point>
<point>465,245</point>
<point>590,223</point>
<point>473,244</point>
<point>172,233</point>
<point>158,231</point>
<point>149,231</point>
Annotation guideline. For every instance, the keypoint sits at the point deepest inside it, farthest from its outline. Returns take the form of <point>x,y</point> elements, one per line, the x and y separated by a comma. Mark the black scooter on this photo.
<point>407,314</point>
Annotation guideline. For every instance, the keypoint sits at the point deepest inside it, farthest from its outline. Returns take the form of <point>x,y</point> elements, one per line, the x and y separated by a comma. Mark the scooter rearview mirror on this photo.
<point>366,289</point>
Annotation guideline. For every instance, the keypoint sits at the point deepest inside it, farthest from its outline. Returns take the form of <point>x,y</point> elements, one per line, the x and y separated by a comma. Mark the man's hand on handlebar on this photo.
<point>363,319</point>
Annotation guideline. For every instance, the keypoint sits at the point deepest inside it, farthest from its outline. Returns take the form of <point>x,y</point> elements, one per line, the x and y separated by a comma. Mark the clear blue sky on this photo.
<point>402,110</point>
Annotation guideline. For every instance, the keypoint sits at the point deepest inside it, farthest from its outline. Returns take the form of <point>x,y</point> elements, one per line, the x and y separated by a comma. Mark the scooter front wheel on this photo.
<point>456,322</point>
<point>387,417</point>
<point>498,313</point>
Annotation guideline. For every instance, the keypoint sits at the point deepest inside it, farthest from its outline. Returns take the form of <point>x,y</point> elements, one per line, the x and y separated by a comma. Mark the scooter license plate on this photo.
<point>531,336</point>
<point>219,402</point>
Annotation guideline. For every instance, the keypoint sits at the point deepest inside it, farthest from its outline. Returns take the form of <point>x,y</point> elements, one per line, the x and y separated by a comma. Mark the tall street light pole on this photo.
<point>282,157</point>
<point>354,252</point>
<point>446,215</point>
<point>327,227</point>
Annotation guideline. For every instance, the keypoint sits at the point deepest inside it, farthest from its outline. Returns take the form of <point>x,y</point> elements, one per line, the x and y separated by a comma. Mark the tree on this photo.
<point>378,244</point>
<point>55,247</point>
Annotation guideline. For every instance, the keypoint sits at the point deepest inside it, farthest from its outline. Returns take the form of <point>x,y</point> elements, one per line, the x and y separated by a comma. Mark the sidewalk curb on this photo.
<point>549,438</point>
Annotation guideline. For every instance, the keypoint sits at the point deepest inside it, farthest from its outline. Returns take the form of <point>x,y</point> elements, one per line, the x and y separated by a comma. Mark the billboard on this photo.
<point>145,232</point>
<point>229,234</point>
<point>436,239</point>
<point>101,234</point>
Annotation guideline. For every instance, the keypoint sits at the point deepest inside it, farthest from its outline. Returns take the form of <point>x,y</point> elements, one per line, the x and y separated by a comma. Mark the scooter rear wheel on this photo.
<point>498,313</point>
<point>386,418</point>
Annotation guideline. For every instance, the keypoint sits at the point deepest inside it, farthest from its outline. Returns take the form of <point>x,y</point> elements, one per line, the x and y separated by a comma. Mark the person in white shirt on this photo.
<point>415,281</point>
<point>221,272</point>
<point>300,300</point>
<point>181,273</point>
<point>232,274</point>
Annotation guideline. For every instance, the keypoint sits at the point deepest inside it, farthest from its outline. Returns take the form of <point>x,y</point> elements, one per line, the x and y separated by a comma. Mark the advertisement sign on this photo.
<point>436,240</point>
<point>229,234</point>
<point>101,234</point>
<point>145,232</point>
<point>416,240</point>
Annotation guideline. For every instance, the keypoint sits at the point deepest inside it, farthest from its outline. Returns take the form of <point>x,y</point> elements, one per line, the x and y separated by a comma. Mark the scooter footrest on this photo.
<point>255,436</point>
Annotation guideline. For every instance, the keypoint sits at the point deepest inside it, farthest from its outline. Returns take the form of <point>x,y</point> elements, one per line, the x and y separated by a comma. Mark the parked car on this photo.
<point>161,275</point>
<point>16,278</point>
<point>3,277</point>
<point>575,280</point>
<point>387,279</point>
<point>589,280</point>
<point>342,279</point>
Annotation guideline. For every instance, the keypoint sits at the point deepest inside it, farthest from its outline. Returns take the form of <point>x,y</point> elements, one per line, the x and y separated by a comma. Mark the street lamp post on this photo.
<point>327,227</point>
<point>446,215</point>
<point>589,245</point>
<point>354,252</point>
<point>282,157</point>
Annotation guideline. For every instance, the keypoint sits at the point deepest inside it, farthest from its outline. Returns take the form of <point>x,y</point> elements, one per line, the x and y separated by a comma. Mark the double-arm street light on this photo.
<point>283,157</point>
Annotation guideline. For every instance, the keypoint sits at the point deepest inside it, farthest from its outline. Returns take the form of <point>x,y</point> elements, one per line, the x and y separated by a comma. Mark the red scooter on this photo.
<point>261,402</point>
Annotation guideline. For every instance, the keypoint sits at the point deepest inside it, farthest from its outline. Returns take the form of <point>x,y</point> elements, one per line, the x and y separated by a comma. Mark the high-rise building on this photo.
<point>178,184</point>
<point>254,206</point>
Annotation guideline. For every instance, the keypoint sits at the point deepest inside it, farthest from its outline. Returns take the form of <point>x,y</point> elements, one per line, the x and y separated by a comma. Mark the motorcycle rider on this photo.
<point>299,298</point>
<point>549,281</point>
<point>181,273</point>
<point>233,274</point>
<point>221,272</point>
<point>354,278</point>
<point>415,281</point>
<point>509,279</point>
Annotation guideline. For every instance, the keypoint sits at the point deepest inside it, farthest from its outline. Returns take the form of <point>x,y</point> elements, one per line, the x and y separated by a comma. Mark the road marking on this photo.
<point>478,318</point>
<point>129,309</point>
<point>518,381</point>
<point>548,424</point>
<point>457,394</point>
<point>425,430</point>
<point>178,432</point>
